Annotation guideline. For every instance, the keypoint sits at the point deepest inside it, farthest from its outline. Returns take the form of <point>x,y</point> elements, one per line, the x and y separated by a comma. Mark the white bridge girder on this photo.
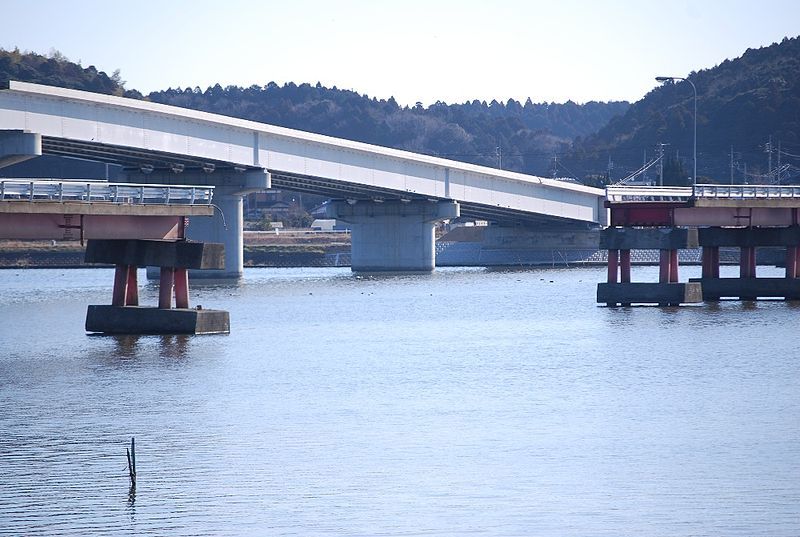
<point>139,133</point>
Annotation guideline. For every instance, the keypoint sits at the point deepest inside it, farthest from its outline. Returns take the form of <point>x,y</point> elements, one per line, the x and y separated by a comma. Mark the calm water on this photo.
<point>465,402</point>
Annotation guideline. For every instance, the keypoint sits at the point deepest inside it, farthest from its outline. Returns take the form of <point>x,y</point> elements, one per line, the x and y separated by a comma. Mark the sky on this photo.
<point>412,50</point>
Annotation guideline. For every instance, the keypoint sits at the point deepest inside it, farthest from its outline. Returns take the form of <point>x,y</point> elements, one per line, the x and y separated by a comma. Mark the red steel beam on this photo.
<point>28,226</point>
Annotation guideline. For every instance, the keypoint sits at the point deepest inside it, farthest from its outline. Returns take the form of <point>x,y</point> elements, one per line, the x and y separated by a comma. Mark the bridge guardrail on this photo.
<point>101,191</point>
<point>620,194</point>
<point>648,193</point>
<point>747,191</point>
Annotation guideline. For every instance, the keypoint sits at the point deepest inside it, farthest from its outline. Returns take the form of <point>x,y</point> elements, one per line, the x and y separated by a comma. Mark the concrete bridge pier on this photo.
<point>748,286</point>
<point>226,226</point>
<point>393,235</point>
<point>126,316</point>
<point>619,289</point>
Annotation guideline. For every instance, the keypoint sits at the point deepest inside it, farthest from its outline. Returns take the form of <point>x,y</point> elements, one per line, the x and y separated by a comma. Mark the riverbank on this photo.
<point>261,249</point>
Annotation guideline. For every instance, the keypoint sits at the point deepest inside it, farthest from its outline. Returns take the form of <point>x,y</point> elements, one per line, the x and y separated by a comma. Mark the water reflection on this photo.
<point>174,345</point>
<point>126,345</point>
<point>133,345</point>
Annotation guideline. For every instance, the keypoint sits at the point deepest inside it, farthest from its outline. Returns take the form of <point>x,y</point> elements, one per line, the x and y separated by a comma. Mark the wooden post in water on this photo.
<point>132,461</point>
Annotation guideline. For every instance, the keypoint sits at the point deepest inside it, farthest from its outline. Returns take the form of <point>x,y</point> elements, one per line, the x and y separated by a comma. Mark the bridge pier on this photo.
<point>748,286</point>
<point>125,316</point>
<point>393,235</point>
<point>226,226</point>
<point>619,241</point>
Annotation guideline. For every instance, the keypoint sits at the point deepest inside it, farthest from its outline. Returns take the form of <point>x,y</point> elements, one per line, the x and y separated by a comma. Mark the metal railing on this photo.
<point>747,191</point>
<point>648,193</point>
<point>101,191</point>
<point>685,193</point>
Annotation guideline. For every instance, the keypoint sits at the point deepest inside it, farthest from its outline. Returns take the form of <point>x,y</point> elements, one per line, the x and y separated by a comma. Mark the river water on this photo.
<point>466,402</point>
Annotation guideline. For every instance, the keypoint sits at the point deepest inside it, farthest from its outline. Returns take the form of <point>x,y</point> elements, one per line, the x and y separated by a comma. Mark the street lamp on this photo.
<point>694,89</point>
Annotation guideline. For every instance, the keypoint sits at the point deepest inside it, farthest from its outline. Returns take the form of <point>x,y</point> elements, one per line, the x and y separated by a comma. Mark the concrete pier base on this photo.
<point>149,320</point>
<point>393,235</point>
<point>749,288</point>
<point>662,294</point>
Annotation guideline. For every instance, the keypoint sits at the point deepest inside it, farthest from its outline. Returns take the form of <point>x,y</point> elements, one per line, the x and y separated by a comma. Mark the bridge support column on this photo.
<point>748,286</point>
<point>791,261</point>
<point>393,235</point>
<point>227,224</point>
<point>226,227</point>
<point>124,316</point>
<point>668,291</point>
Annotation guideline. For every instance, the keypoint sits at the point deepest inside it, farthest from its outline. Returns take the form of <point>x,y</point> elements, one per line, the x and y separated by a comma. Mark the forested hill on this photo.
<point>56,70</point>
<point>742,103</point>
<point>517,136</point>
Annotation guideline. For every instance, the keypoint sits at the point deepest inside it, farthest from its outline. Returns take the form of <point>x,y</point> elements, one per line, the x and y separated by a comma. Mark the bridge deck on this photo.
<point>147,136</point>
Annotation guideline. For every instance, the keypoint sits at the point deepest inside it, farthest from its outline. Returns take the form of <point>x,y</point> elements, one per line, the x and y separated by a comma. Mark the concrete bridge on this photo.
<point>392,199</point>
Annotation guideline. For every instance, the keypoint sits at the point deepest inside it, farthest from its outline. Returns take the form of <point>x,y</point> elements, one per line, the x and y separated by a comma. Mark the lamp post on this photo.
<point>694,89</point>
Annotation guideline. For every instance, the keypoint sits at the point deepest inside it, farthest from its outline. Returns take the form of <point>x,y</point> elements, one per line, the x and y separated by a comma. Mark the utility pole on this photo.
<point>644,164</point>
<point>661,163</point>
<point>499,152</point>
<point>779,162</point>
<point>768,149</point>
<point>731,164</point>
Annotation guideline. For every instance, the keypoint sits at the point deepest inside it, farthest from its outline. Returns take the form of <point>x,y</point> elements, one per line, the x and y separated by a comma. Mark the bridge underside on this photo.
<point>137,160</point>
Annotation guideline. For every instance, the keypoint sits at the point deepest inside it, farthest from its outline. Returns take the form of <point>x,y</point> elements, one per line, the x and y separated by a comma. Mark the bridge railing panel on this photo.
<point>99,191</point>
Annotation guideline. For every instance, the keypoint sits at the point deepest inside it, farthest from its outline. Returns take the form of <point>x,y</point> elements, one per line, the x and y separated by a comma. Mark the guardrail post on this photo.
<point>30,192</point>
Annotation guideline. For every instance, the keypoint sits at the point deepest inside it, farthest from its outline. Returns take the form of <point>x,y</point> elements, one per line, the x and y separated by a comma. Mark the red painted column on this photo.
<point>791,262</point>
<point>613,265</point>
<point>165,288</point>
<point>673,269</point>
<point>746,262</point>
<point>625,266</point>
<point>715,262</point>
<point>181,288</point>
<point>664,266</point>
<point>797,264</point>
<point>710,261</point>
<point>120,285</point>
<point>132,295</point>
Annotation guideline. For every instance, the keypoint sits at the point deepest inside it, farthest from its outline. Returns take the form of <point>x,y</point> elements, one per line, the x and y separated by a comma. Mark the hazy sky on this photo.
<point>413,50</point>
